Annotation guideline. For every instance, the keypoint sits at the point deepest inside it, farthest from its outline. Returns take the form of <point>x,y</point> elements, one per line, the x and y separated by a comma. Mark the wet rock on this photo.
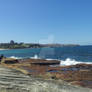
<point>9,61</point>
<point>42,62</point>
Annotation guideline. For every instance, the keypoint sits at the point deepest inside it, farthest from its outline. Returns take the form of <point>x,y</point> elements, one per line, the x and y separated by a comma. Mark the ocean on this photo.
<point>67,55</point>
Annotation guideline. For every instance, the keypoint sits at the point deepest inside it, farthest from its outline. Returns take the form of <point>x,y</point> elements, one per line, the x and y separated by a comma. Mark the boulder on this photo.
<point>9,61</point>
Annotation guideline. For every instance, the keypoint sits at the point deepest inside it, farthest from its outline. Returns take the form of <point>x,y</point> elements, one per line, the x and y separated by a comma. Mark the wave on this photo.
<point>51,59</point>
<point>16,57</point>
<point>35,57</point>
<point>69,61</point>
<point>66,62</point>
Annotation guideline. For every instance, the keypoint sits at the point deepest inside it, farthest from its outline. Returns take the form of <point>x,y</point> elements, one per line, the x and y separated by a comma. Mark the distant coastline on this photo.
<point>15,45</point>
<point>3,49</point>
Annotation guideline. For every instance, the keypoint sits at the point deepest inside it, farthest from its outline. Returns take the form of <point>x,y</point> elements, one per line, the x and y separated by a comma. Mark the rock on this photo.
<point>41,68</point>
<point>15,81</point>
<point>9,61</point>
<point>42,62</point>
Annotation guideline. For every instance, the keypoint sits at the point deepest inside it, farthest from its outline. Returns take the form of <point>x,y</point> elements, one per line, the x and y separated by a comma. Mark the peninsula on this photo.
<point>14,45</point>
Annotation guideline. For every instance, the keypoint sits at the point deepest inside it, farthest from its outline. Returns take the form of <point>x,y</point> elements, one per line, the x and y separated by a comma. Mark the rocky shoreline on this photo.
<point>12,80</point>
<point>39,72</point>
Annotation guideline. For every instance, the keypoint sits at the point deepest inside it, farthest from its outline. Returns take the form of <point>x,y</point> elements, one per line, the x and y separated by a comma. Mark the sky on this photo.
<point>46,21</point>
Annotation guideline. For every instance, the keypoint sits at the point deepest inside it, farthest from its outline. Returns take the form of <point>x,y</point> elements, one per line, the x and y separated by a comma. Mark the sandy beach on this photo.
<point>4,49</point>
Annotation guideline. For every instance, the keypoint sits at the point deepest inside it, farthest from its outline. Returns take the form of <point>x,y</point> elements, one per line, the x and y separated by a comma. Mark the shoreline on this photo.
<point>80,74</point>
<point>4,49</point>
<point>66,62</point>
<point>15,81</point>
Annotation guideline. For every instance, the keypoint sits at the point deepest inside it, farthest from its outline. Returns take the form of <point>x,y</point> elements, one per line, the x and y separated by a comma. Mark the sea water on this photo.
<point>67,55</point>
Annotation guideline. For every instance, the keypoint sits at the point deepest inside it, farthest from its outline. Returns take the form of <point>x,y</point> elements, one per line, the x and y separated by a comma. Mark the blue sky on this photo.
<point>68,21</point>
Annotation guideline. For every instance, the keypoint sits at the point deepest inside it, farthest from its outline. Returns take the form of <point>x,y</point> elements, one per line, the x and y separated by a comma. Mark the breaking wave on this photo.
<point>65,62</point>
<point>35,57</point>
<point>69,61</point>
<point>16,57</point>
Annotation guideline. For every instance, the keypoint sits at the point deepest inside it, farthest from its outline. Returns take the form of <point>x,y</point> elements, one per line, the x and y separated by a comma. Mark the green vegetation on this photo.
<point>14,45</point>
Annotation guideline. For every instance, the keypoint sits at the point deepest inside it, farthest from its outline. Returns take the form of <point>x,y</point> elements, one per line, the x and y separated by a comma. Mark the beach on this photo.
<point>3,49</point>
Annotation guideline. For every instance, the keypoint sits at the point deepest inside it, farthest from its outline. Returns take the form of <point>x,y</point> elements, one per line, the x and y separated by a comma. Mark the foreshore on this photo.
<point>80,74</point>
<point>12,80</point>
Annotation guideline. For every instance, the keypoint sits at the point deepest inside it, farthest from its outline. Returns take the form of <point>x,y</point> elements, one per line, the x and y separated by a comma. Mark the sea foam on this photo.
<point>16,57</point>
<point>69,61</point>
<point>35,57</point>
<point>65,62</point>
